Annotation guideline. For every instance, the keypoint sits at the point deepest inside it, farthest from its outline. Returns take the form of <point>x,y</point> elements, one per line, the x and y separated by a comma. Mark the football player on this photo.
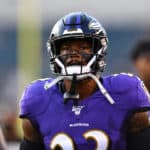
<point>80,109</point>
<point>140,57</point>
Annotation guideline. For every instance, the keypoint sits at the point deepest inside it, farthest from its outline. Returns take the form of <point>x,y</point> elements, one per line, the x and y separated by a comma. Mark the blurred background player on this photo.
<point>63,113</point>
<point>140,57</point>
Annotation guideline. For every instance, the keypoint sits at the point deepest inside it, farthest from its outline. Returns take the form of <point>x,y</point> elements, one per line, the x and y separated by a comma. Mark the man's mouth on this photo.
<point>74,63</point>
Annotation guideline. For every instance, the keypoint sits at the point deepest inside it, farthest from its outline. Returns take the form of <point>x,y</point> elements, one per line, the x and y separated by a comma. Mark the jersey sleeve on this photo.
<point>31,100</point>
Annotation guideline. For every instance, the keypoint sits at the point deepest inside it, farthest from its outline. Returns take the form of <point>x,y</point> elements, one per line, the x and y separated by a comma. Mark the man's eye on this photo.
<point>65,48</point>
<point>84,48</point>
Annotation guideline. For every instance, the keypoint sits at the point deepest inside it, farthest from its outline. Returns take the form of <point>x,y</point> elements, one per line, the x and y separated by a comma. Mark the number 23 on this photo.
<point>65,142</point>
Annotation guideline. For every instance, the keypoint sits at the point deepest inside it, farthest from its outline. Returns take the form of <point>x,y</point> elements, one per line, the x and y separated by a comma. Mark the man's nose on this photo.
<point>75,51</point>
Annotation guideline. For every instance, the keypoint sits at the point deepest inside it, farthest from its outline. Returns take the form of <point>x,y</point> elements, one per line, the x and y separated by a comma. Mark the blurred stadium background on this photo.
<point>24,30</point>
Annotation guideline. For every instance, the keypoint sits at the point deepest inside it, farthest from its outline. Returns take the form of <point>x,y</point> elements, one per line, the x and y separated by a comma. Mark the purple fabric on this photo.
<point>53,117</point>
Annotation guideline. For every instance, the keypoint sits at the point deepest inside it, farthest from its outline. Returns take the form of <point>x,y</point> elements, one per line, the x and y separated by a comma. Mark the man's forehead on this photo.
<point>142,58</point>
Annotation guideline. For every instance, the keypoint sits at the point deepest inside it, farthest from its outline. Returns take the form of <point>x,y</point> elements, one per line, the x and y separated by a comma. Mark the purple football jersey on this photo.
<point>94,124</point>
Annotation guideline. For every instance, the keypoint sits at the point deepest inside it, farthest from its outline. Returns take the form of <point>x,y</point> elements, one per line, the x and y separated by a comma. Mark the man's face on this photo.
<point>142,64</point>
<point>75,52</point>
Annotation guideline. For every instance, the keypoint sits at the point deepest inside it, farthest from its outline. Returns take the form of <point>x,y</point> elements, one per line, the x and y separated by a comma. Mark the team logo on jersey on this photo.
<point>77,109</point>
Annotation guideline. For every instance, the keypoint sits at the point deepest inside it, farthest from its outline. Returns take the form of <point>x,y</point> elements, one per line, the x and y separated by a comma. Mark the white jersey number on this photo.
<point>65,142</point>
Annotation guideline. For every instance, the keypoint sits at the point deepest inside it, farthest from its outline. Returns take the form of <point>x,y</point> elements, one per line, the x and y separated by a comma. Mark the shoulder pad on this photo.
<point>128,90</point>
<point>33,96</point>
<point>122,82</point>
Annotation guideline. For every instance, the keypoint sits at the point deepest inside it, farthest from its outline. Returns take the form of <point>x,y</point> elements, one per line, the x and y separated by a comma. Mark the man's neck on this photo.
<point>85,87</point>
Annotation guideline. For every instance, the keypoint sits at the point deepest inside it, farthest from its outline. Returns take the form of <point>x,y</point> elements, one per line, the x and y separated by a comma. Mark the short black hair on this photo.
<point>142,48</point>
